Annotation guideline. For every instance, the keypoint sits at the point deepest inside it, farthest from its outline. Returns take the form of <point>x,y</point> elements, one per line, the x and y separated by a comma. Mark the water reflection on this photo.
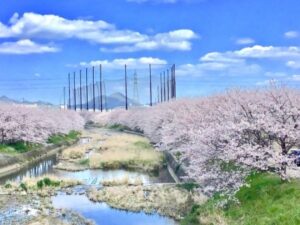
<point>33,170</point>
<point>102,214</point>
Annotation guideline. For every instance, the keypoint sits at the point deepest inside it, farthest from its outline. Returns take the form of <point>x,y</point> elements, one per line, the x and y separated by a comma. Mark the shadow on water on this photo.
<point>101,213</point>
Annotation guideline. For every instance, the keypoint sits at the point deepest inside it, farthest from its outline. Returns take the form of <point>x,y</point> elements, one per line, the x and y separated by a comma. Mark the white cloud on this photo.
<point>295,77</point>
<point>240,62</point>
<point>177,39</point>
<point>32,25</point>
<point>293,64</point>
<point>244,41</point>
<point>119,63</point>
<point>25,46</point>
<point>254,52</point>
<point>292,34</point>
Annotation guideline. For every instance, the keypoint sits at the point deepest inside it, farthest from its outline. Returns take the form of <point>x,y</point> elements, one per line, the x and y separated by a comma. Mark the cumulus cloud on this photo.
<point>292,34</point>
<point>254,52</point>
<point>244,41</point>
<point>25,46</point>
<point>32,25</point>
<point>177,39</point>
<point>119,63</point>
<point>293,64</point>
<point>243,62</point>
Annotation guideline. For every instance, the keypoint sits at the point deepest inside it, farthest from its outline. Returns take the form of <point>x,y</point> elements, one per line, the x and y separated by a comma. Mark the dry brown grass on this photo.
<point>165,199</point>
<point>124,181</point>
<point>127,151</point>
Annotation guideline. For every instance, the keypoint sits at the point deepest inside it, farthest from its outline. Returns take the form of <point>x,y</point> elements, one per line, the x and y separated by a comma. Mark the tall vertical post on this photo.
<point>101,101</point>
<point>168,86</point>
<point>74,90</point>
<point>161,89</point>
<point>86,89</point>
<point>150,74</point>
<point>126,97</point>
<point>164,86</point>
<point>80,91</point>
<point>175,89</point>
<point>69,107</point>
<point>94,100</point>
<point>172,81</point>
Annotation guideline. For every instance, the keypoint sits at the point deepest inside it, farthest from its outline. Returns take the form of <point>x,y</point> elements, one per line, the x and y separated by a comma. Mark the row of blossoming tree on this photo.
<point>222,138</point>
<point>35,124</point>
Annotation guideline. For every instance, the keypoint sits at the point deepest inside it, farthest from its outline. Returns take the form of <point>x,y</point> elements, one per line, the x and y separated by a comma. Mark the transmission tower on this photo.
<point>135,88</point>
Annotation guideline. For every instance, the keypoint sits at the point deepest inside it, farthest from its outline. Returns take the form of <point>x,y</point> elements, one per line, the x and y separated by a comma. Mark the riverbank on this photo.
<point>23,160</point>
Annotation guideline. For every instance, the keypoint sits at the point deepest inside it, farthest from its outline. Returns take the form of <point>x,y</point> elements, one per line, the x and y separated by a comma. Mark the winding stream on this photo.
<point>100,213</point>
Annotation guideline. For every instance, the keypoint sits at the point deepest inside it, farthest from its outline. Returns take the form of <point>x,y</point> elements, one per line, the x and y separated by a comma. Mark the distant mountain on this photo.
<point>115,100</point>
<point>5,99</point>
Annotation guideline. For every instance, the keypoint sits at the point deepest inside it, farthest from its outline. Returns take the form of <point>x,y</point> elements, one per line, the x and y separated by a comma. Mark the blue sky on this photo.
<point>215,44</point>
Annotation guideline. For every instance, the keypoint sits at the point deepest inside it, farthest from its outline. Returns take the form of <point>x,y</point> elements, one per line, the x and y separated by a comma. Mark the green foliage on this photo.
<point>188,186</point>
<point>8,185</point>
<point>18,147</point>
<point>267,200</point>
<point>118,127</point>
<point>192,217</point>
<point>40,184</point>
<point>84,162</point>
<point>23,186</point>
<point>61,139</point>
<point>47,182</point>
<point>143,145</point>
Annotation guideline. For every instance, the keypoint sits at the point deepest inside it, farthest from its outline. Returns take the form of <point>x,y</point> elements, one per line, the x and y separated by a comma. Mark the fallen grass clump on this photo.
<point>167,200</point>
<point>127,152</point>
<point>267,200</point>
<point>123,181</point>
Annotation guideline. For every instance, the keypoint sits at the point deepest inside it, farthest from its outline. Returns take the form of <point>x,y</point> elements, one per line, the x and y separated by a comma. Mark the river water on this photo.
<point>100,213</point>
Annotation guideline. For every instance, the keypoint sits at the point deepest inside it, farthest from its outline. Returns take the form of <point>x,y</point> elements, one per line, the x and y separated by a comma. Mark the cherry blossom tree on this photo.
<point>221,138</point>
<point>35,124</point>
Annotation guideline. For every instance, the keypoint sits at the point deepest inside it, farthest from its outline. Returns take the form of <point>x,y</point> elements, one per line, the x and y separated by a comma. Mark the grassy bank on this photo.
<point>268,200</point>
<point>18,147</point>
<point>23,147</point>
<point>62,139</point>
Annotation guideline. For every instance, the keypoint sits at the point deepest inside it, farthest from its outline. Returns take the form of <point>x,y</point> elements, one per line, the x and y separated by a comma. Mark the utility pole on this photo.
<point>69,91</point>
<point>168,86</point>
<point>86,89</point>
<point>150,74</point>
<point>74,91</point>
<point>101,103</point>
<point>161,89</point>
<point>80,91</point>
<point>175,89</point>
<point>126,98</point>
<point>164,86</point>
<point>94,100</point>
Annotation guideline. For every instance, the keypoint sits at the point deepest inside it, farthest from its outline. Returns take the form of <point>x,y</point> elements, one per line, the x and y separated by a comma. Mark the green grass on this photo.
<point>118,127</point>
<point>268,201</point>
<point>84,162</point>
<point>61,139</point>
<point>47,182</point>
<point>188,186</point>
<point>18,147</point>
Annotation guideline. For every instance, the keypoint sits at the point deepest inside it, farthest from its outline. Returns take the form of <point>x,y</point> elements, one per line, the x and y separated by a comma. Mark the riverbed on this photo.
<point>99,213</point>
